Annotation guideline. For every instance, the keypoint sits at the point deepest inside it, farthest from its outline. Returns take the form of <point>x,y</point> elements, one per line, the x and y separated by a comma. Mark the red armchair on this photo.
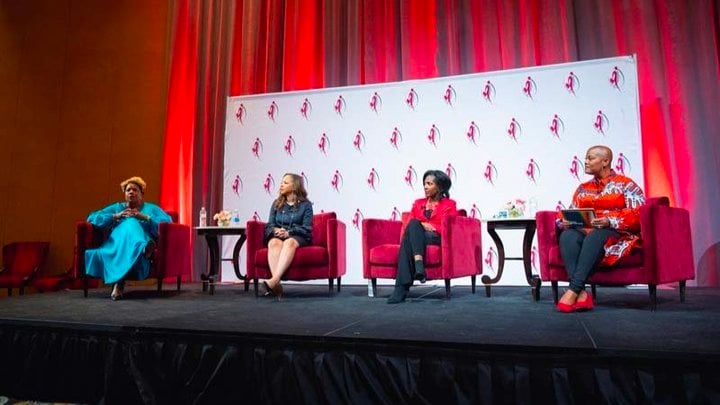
<point>21,261</point>
<point>666,254</point>
<point>324,258</point>
<point>459,255</point>
<point>171,257</point>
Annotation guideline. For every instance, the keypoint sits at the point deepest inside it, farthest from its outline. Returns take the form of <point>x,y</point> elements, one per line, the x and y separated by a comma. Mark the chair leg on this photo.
<point>447,288</point>
<point>682,291</point>
<point>255,283</point>
<point>179,281</point>
<point>22,290</point>
<point>472,280</point>
<point>374,286</point>
<point>338,281</point>
<point>247,283</point>
<point>652,288</point>
<point>85,286</point>
<point>159,284</point>
<point>9,291</point>
<point>554,286</point>
<point>330,286</point>
<point>593,287</point>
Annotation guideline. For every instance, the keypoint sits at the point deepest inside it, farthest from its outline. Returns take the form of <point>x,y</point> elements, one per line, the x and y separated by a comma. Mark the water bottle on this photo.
<point>532,207</point>
<point>370,289</point>
<point>203,217</point>
<point>236,218</point>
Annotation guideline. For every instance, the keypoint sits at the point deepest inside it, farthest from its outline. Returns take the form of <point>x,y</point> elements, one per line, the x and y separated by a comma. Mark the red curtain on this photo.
<point>283,45</point>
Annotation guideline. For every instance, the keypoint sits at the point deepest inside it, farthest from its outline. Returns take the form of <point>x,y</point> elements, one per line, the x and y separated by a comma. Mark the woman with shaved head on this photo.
<point>616,200</point>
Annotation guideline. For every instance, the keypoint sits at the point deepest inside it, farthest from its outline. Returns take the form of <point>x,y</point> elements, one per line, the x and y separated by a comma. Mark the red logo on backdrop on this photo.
<point>576,165</point>
<point>340,106</point>
<point>357,219</point>
<point>395,215</point>
<point>601,124</point>
<point>359,141</point>
<point>450,95</point>
<point>241,113</point>
<point>237,185</point>
<point>269,184</point>
<point>433,135</point>
<point>572,83</point>
<point>373,178</point>
<point>557,126</point>
<point>617,78</point>
<point>410,177</point>
<point>256,217</point>
<point>323,143</point>
<point>336,182</point>
<point>475,212</point>
<point>532,171</point>
<point>622,165</point>
<point>375,103</point>
<point>306,181</point>
<point>395,138</point>
<point>490,173</point>
<point>257,148</point>
<point>533,257</point>
<point>489,92</point>
<point>559,206</point>
<point>306,109</point>
<point>412,99</point>
<point>273,111</point>
<point>514,129</point>
<point>490,258</point>
<point>289,145</point>
<point>473,132</point>
<point>450,171</point>
<point>530,88</point>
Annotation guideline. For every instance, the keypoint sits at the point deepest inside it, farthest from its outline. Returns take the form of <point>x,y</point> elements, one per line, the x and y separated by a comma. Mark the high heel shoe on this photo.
<point>420,276</point>
<point>586,304</point>
<point>276,291</point>
<point>566,308</point>
<point>117,291</point>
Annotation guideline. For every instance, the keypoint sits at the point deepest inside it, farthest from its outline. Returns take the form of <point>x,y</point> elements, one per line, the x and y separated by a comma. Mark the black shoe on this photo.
<point>397,296</point>
<point>420,276</point>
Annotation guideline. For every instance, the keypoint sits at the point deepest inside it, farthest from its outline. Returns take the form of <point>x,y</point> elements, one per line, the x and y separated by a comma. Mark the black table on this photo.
<point>528,224</point>
<point>213,234</point>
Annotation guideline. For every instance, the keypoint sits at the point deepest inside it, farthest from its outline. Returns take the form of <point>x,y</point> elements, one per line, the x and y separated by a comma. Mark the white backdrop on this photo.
<point>500,136</point>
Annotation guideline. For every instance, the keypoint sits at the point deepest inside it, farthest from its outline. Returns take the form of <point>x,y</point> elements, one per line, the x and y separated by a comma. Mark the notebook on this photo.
<point>581,217</point>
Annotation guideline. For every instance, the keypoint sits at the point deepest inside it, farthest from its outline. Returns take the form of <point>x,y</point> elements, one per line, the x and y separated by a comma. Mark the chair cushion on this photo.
<point>387,255</point>
<point>305,256</point>
<point>635,259</point>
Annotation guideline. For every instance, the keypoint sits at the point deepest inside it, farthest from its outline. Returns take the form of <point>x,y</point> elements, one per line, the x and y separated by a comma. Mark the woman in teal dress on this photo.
<point>133,228</point>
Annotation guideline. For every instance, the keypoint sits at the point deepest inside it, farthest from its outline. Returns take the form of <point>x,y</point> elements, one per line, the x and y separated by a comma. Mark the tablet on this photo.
<point>581,217</point>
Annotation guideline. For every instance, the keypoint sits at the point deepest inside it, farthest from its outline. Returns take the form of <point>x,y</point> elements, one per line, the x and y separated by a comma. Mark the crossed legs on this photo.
<point>280,255</point>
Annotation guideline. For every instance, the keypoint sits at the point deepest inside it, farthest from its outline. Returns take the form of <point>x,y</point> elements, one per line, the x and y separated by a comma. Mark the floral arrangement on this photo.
<point>223,218</point>
<point>515,208</point>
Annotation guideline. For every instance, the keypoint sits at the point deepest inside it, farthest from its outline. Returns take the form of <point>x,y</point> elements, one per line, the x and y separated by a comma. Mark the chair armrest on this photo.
<point>173,249</point>
<point>87,237</point>
<point>255,231</point>
<point>376,232</point>
<point>461,245</point>
<point>337,247</point>
<point>667,243</point>
<point>547,237</point>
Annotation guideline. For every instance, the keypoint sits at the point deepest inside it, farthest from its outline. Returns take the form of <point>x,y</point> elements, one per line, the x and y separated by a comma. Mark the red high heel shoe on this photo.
<point>565,308</point>
<point>586,304</point>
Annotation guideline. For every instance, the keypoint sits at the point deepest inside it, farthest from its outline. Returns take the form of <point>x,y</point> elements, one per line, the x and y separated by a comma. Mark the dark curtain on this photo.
<point>283,45</point>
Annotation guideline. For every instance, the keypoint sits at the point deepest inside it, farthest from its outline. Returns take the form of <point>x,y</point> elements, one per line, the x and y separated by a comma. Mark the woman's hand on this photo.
<point>281,233</point>
<point>600,223</point>
<point>428,226</point>
<point>566,224</point>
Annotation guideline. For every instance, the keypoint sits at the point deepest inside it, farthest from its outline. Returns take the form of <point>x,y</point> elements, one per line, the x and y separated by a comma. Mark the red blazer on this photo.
<point>445,207</point>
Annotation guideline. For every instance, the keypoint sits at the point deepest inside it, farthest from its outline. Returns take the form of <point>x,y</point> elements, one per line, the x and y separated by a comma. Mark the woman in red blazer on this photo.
<point>423,228</point>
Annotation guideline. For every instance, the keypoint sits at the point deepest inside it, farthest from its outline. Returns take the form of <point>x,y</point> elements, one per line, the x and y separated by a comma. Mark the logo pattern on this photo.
<point>557,126</point>
<point>473,133</point>
<point>475,212</point>
<point>323,143</point>
<point>576,167</point>
<point>375,103</point>
<point>450,171</point>
<point>257,148</point>
<point>450,95</point>
<point>514,129</point>
<point>359,141</point>
<point>622,164</point>
<point>410,177</point>
<point>289,145</point>
<point>601,124</point>
<point>490,173</point>
<point>530,88</point>
<point>395,215</point>
<point>433,135</point>
<point>490,258</point>
<point>237,185</point>
<point>340,106</point>
<point>269,184</point>
<point>373,179</point>
<point>412,99</point>
<point>488,92</point>
<point>617,78</point>
<point>572,83</point>
<point>273,111</point>
<point>336,182</point>
<point>240,113</point>
<point>532,171</point>
<point>396,138</point>
<point>357,219</point>
<point>306,109</point>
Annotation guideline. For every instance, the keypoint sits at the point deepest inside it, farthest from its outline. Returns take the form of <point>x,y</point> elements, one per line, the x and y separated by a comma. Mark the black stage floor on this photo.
<point>349,348</point>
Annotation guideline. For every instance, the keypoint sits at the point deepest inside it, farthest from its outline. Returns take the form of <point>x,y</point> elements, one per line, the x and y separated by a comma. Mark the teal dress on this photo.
<point>123,250</point>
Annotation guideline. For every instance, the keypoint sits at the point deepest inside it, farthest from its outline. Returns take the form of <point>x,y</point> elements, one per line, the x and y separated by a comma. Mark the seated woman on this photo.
<point>422,229</point>
<point>133,228</point>
<point>616,200</point>
<point>288,228</point>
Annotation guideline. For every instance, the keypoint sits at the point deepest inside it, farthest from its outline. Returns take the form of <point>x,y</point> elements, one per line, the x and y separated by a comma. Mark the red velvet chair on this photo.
<point>21,261</point>
<point>666,255</point>
<point>171,257</point>
<point>459,255</point>
<point>325,258</point>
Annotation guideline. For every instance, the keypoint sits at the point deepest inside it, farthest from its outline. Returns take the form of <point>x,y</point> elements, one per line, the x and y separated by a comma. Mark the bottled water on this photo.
<point>203,217</point>
<point>235,218</point>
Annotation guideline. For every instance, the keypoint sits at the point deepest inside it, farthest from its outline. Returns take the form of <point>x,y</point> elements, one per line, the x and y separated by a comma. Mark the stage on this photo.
<point>348,348</point>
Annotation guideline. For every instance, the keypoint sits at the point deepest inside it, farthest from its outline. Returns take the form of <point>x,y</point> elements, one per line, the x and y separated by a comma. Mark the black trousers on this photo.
<point>581,252</point>
<point>414,241</point>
